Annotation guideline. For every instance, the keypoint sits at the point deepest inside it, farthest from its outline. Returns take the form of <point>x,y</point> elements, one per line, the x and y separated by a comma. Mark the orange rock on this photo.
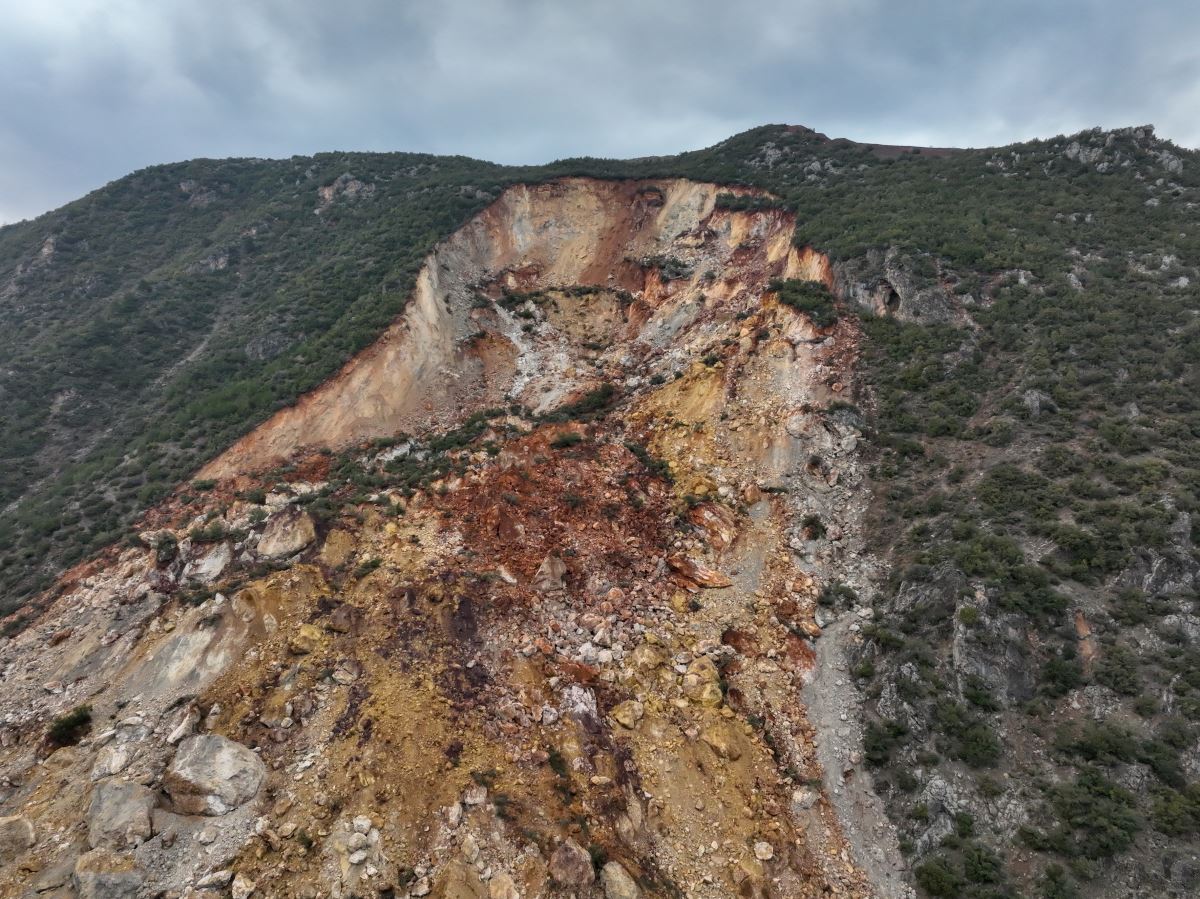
<point>697,573</point>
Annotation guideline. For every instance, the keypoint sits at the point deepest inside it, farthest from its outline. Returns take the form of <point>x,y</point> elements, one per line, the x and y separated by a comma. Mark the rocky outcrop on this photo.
<point>211,775</point>
<point>884,284</point>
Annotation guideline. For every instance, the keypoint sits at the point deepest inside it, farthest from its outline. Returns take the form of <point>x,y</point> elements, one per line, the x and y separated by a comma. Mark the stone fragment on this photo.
<point>215,880</point>
<point>550,573</point>
<point>111,760</point>
<point>212,775</point>
<point>306,640</point>
<point>571,866</point>
<point>694,573</point>
<point>347,672</point>
<point>185,724</point>
<point>16,835</point>
<point>502,886</point>
<point>764,851</point>
<point>723,739</point>
<point>617,883</point>
<point>343,619</point>
<point>628,713</point>
<point>119,815</point>
<point>242,887</point>
<point>716,521</point>
<point>702,682</point>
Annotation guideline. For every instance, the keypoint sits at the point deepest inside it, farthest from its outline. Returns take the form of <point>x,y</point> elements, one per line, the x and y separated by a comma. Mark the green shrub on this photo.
<point>810,297</point>
<point>69,729</point>
<point>1097,818</point>
<point>566,439</point>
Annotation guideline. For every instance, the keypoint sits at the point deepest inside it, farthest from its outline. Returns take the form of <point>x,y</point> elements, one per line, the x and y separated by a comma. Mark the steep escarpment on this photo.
<point>521,602</point>
<point>610,236</point>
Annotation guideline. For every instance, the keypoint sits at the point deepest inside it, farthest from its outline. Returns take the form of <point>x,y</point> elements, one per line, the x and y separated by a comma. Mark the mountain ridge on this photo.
<point>913,438</point>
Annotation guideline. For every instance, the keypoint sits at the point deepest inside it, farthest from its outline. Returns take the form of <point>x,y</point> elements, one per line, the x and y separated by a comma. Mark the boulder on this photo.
<point>286,534</point>
<point>16,835</point>
<point>502,886</point>
<point>119,815</point>
<point>103,874</point>
<point>549,576</point>
<point>628,713</point>
<point>571,866</point>
<point>617,883</point>
<point>692,573</point>
<point>212,775</point>
<point>338,549</point>
<point>702,682</point>
<point>458,880</point>
<point>206,568</point>
<point>305,640</point>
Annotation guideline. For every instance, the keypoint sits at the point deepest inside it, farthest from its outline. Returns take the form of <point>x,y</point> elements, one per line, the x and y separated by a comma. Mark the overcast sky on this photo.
<point>93,89</point>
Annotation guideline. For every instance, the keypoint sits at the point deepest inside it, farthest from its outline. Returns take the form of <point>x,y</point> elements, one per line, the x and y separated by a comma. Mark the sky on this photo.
<point>91,90</point>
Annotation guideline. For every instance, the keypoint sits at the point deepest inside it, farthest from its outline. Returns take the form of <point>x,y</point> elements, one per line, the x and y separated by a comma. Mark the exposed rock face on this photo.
<point>571,232</point>
<point>211,775</point>
<point>119,815</point>
<point>882,283</point>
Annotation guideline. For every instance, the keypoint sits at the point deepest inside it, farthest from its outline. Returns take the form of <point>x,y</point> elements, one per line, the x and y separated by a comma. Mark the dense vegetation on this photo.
<point>1038,455</point>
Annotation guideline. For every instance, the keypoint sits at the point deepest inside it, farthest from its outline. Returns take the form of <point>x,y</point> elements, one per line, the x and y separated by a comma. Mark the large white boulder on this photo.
<point>212,775</point>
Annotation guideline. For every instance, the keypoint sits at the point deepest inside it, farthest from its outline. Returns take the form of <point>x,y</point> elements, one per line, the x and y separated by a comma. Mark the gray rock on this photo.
<point>212,775</point>
<point>571,866</point>
<point>16,835</point>
<point>119,815</point>
<point>101,874</point>
<point>617,882</point>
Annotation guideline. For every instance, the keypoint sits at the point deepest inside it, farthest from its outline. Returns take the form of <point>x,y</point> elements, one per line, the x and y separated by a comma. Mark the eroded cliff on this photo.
<point>521,603</point>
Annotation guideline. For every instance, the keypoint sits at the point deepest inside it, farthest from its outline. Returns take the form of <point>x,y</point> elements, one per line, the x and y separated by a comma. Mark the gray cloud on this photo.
<point>92,89</point>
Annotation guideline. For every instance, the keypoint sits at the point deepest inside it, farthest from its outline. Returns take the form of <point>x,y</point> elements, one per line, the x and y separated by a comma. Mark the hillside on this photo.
<point>792,517</point>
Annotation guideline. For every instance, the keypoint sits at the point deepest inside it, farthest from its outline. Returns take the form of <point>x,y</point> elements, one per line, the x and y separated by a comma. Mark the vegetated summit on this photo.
<point>792,517</point>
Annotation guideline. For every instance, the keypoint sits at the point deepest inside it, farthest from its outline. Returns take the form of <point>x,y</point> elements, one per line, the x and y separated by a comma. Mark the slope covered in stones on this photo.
<point>556,645</point>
